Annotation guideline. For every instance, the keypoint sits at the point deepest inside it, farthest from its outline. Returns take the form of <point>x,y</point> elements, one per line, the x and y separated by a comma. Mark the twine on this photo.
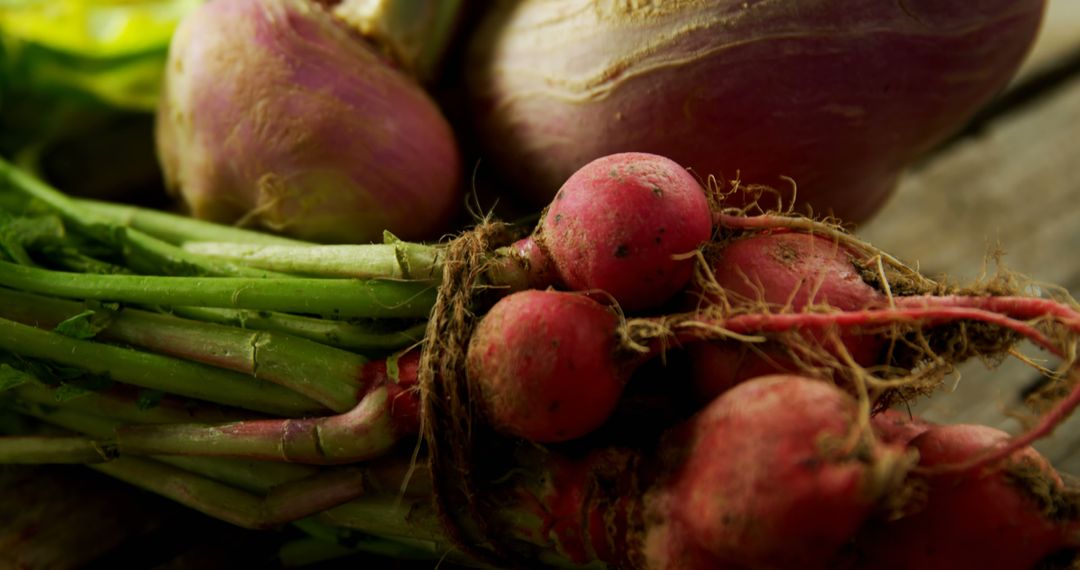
<point>447,410</point>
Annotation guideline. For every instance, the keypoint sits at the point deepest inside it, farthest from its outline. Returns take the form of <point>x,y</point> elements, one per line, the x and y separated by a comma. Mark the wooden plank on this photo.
<point>1059,39</point>
<point>1015,184</point>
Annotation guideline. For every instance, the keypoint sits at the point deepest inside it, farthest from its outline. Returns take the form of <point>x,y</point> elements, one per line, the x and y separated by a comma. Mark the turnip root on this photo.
<point>274,114</point>
<point>618,224</point>
<point>839,95</point>
<point>1012,515</point>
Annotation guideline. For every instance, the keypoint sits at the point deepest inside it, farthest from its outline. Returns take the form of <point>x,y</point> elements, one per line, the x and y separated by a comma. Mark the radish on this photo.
<point>769,475</point>
<point>550,366</point>
<point>839,95</point>
<point>779,271</point>
<point>619,223</point>
<point>1012,515</point>
<point>894,426</point>
<point>545,365</point>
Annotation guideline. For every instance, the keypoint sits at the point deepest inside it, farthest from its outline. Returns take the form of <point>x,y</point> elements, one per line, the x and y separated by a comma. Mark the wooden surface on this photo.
<point>1011,183</point>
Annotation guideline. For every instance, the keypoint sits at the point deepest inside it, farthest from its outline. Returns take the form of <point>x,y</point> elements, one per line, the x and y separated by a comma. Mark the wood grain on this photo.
<point>1014,186</point>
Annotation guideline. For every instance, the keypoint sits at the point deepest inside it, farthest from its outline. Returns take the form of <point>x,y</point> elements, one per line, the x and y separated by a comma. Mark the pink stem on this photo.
<point>771,323</point>
<point>928,310</point>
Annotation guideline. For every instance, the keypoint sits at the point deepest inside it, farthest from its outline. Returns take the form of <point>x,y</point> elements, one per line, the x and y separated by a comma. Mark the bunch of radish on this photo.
<point>795,339</point>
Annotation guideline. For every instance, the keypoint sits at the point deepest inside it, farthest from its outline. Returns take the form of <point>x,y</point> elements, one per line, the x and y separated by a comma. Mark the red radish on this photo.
<point>275,113</point>
<point>619,222</point>
<point>1011,516</point>
<point>895,426</point>
<point>787,271</point>
<point>550,366</point>
<point>837,94</point>
<point>545,365</point>
<point>768,476</point>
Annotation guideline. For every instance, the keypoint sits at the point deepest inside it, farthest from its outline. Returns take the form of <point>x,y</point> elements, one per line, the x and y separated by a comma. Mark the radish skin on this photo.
<point>786,271</point>
<point>618,225</point>
<point>545,365</point>
<point>763,480</point>
<point>1012,516</point>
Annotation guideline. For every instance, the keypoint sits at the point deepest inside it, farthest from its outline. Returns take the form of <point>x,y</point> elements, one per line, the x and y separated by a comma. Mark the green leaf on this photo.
<point>149,399</point>
<point>68,392</point>
<point>86,324</point>
<point>12,377</point>
<point>112,51</point>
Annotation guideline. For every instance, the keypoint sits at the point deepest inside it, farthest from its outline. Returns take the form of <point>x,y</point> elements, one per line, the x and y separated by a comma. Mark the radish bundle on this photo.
<point>507,363</point>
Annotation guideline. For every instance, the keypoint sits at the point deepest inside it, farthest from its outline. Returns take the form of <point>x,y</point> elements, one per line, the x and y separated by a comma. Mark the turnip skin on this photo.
<point>838,95</point>
<point>275,115</point>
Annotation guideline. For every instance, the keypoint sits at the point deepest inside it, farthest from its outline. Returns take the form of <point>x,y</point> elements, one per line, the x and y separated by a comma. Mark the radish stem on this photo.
<point>366,432</point>
<point>338,298</point>
<point>142,251</point>
<point>124,406</point>
<point>176,229</point>
<point>45,449</point>
<point>284,503</point>
<point>154,371</point>
<point>401,260</point>
<point>325,374</point>
<point>350,336</point>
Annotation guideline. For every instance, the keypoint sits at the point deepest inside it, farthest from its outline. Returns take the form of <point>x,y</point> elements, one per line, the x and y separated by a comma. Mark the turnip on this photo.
<point>839,95</point>
<point>1010,516</point>
<point>274,114</point>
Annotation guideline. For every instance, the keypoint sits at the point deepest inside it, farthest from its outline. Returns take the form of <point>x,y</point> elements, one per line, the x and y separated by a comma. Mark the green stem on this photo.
<point>401,260</point>
<point>356,337</point>
<point>176,229</point>
<point>44,449</point>
<point>154,371</point>
<point>143,252</point>
<point>366,432</point>
<point>124,406</point>
<point>330,376</point>
<point>392,517</point>
<point>284,503</point>
<point>336,298</point>
<point>518,266</point>
<point>254,476</point>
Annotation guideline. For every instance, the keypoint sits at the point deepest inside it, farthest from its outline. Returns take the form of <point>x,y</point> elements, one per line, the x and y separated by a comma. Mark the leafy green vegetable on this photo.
<point>88,323</point>
<point>111,50</point>
<point>12,377</point>
<point>79,80</point>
